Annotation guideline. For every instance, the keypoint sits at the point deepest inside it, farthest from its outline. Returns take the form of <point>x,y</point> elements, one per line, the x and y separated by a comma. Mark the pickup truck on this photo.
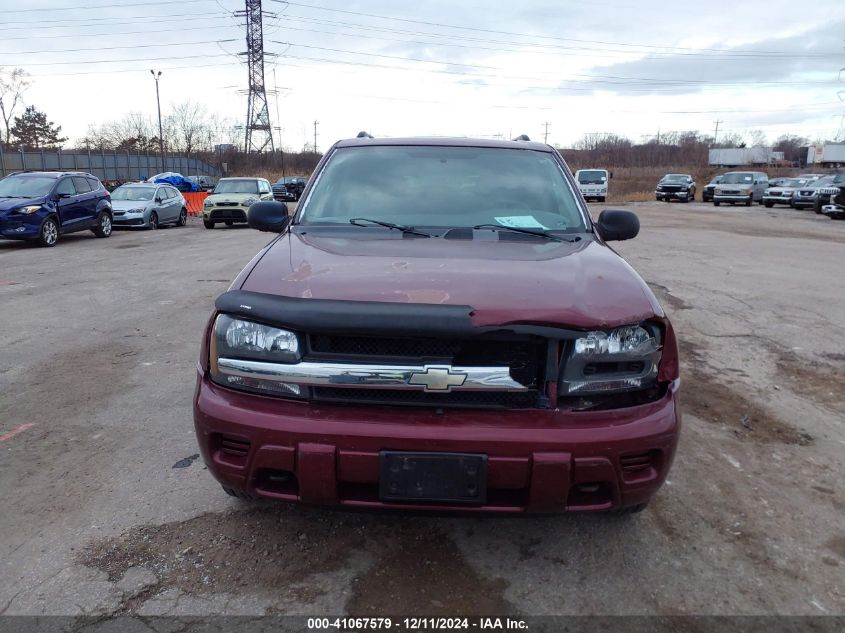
<point>407,347</point>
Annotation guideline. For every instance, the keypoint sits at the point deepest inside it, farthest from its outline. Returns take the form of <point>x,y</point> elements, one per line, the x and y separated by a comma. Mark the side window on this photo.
<point>65,186</point>
<point>82,184</point>
<point>264,187</point>
<point>160,194</point>
<point>165,193</point>
<point>95,184</point>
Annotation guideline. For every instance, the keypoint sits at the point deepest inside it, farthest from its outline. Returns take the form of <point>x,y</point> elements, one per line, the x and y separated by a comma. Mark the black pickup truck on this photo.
<point>289,188</point>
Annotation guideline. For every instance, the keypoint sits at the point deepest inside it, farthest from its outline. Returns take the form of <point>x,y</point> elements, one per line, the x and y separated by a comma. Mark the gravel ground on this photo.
<point>96,376</point>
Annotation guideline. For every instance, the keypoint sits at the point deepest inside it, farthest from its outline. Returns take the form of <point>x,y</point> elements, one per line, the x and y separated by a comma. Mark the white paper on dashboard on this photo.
<point>520,222</point>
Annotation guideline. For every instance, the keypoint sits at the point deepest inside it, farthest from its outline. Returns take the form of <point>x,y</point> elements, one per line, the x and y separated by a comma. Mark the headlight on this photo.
<point>660,187</point>
<point>250,201</point>
<point>624,359</point>
<point>208,203</point>
<point>29,210</point>
<point>235,338</point>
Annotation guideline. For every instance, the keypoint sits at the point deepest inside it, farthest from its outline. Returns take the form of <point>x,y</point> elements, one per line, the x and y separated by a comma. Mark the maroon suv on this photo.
<point>440,325</point>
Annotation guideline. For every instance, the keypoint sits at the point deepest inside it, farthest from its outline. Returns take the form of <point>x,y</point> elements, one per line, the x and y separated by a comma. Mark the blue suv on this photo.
<point>43,205</point>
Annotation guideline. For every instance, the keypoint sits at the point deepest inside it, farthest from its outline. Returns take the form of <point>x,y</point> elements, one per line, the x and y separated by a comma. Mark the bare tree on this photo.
<point>13,84</point>
<point>757,138</point>
<point>190,127</point>
<point>134,132</point>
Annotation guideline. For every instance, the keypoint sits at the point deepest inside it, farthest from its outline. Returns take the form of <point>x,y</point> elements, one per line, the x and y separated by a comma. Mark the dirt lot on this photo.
<point>96,375</point>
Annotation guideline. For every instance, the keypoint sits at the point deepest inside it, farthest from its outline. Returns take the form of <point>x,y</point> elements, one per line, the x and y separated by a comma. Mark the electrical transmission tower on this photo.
<point>259,133</point>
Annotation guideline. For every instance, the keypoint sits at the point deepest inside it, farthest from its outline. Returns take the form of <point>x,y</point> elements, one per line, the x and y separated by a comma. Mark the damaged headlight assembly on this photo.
<point>239,349</point>
<point>619,360</point>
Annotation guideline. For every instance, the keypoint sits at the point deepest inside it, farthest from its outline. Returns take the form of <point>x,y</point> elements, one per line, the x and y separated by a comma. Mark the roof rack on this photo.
<point>522,137</point>
<point>363,134</point>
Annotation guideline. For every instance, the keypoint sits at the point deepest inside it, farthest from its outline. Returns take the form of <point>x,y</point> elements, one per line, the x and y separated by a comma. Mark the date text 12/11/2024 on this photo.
<point>416,624</point>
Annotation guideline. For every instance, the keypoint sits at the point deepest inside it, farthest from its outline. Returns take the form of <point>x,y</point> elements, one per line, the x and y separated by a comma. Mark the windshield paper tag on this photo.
<point>520,222</point>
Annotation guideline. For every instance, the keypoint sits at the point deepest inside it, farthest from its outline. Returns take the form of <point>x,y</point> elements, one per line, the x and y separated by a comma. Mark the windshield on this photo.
<point>26,186</point>
<point>137,194</point>
<point>592,176</point>
<point>237,185</point>
<point>444,187</point>
<point>675,178</point>
<point>793,182</point>
<point>738,178</point>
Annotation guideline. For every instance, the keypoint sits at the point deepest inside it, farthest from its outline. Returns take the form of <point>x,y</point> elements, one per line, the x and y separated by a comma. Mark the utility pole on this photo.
<point>259,133</point>
<point>315,135</point>
<point>716,131</point>
<point>546,133</point>
<point>160,129</point>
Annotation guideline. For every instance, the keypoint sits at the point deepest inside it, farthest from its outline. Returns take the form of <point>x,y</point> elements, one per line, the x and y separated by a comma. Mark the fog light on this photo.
<point>263,385</point>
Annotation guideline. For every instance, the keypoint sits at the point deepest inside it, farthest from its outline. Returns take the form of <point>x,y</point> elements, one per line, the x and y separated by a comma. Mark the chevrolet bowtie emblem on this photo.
<point>437,379</point>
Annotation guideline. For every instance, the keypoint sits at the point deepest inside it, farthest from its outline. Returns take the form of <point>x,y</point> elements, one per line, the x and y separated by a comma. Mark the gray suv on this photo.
<point>741,186</point>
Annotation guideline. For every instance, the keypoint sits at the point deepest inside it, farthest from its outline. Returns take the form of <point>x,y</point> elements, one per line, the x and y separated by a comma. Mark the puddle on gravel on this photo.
<point>715,402</point>
<point>417,568</point>
<point>420,571</point>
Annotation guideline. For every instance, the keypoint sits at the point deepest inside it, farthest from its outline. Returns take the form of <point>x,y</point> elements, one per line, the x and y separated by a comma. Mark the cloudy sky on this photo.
<point>438,67</point>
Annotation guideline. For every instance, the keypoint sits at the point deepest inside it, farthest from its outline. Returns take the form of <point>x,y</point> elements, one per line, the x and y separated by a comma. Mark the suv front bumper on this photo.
<point>539,460</point>
<point>721,197</point>
<point>836,211</point>
<point>672,195</point>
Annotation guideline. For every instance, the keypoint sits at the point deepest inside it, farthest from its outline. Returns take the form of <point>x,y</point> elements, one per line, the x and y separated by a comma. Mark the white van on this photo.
<point>593,183</point>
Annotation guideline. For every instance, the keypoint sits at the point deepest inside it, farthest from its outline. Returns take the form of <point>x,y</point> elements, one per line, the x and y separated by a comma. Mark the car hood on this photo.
<point>582,285</point>
<point>7,204</point>
<point>784,189</point>
<point>126,205</point>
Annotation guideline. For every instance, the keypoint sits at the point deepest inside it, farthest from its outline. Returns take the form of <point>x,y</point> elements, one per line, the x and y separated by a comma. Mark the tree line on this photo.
<point>672,148</point>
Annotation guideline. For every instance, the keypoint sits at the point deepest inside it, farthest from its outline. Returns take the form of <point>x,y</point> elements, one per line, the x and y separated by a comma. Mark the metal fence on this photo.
<point>105,165</point>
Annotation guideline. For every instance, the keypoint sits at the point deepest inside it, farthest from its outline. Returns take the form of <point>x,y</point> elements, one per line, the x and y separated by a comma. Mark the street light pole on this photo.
<point>160,131</point>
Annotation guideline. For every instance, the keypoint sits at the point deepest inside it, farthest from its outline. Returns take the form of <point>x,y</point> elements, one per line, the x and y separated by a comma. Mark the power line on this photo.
<point>120,61</point>
<point>133,19</point>
<point>112,48</point>
<point>98,6</point>
<point>616,80</point>
<point>180,29</point>
<point>557,48</point>
<point>512,33</point>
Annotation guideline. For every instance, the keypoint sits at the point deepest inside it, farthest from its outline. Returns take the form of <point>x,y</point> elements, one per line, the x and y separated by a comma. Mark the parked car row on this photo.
<point>816,191</point>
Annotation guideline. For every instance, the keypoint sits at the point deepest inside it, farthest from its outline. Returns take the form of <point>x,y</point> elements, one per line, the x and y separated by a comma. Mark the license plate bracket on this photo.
<point>433,477</point>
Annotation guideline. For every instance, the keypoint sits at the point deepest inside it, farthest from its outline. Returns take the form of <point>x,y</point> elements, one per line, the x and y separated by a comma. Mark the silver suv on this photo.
<point>741,186</point>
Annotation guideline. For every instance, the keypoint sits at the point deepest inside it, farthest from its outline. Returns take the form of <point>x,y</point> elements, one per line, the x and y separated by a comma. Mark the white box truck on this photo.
<point>593,183</point>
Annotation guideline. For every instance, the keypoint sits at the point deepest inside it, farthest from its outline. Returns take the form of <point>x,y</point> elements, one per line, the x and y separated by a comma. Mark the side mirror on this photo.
<point>61,196</point>
<point>617,225</point>
<point>268,216</point>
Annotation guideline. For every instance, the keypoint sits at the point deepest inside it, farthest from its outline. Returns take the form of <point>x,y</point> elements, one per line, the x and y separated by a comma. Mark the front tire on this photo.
<point>229,223</point>
<point>49,233</point>
<point>769,205</point>
<point>208,224</point>
<point>104,225</point>
<point>183,217</point>
<point>153,223</point>
<point>749,201</point>
<point>238,494</point>
<point>631,509</point>
<point>716,203</point>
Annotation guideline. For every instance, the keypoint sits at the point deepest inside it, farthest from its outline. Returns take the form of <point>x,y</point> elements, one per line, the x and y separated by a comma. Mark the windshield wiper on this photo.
<point>537,232</point>
<point>388,225</point>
